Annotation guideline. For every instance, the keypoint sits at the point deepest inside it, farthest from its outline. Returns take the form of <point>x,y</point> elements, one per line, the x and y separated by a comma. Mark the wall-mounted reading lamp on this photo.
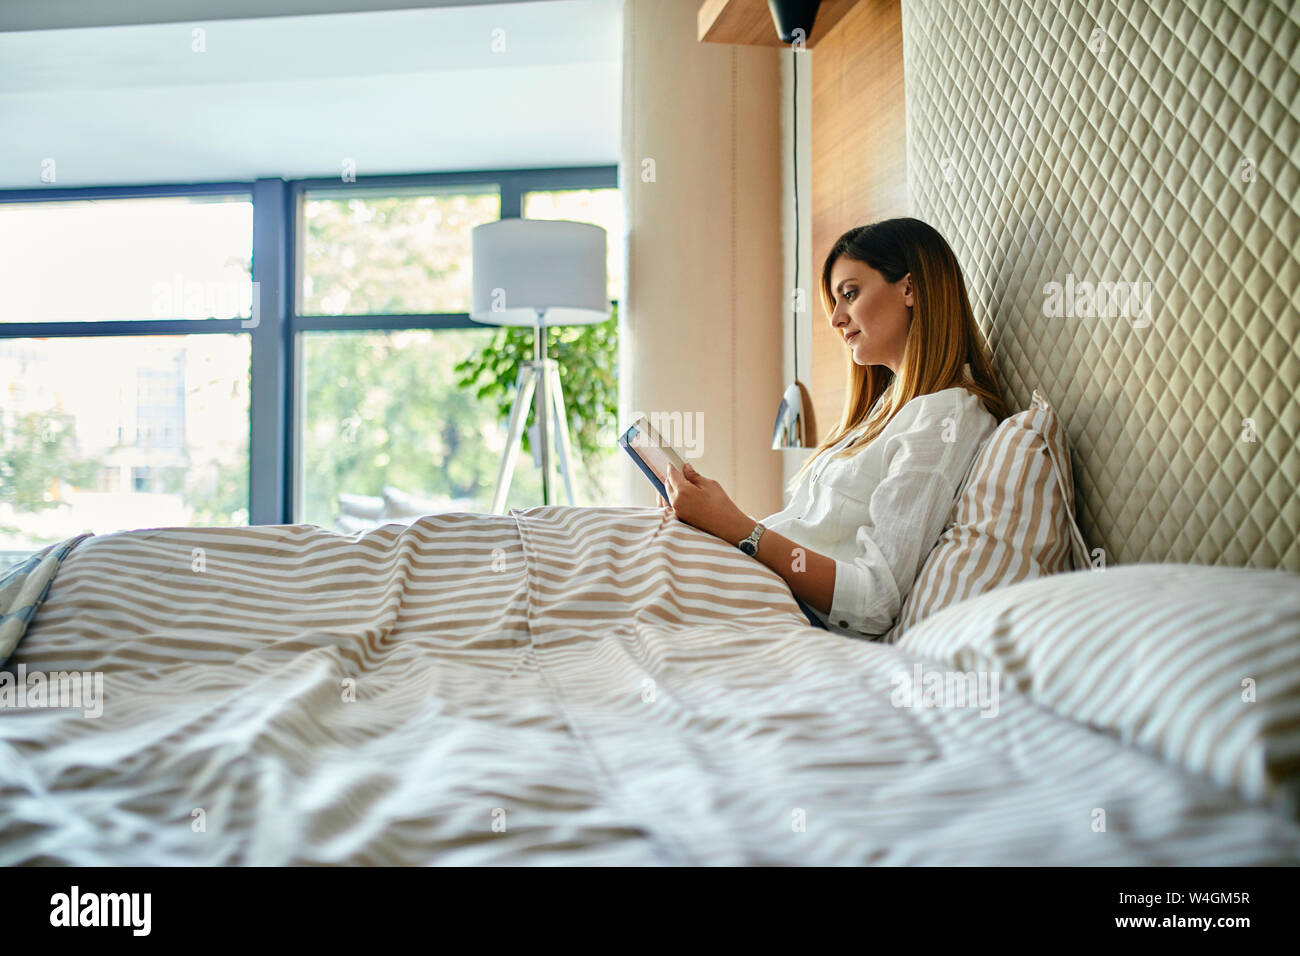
<point>794,22</point>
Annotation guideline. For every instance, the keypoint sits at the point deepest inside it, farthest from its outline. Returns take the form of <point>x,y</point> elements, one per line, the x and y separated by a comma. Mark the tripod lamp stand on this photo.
<point>539,273</point>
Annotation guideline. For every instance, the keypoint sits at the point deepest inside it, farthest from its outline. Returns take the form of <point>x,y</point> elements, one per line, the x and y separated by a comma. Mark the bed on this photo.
<point>611,686</point>
<point>554,686</point>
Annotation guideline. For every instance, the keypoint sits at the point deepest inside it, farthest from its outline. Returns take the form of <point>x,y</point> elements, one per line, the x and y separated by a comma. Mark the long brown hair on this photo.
<point>942,337</point>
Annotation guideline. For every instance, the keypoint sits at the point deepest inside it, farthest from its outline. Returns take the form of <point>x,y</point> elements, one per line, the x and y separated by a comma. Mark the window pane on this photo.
<point>381,411</point>
<point>391,253</point>
<point>184,257</point>
<point>601,207</point>
<point>109,434</point>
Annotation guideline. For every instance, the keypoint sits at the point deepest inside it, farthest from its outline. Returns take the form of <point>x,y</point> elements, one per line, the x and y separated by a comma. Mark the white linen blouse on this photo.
<point>880,511</point>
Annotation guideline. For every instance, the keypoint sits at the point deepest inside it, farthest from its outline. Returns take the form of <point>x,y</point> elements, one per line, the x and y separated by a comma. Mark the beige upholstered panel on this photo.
<point>1143,142</point>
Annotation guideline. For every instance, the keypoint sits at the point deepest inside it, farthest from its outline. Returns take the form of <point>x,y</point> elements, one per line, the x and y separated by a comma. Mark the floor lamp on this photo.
<point>539,273</point>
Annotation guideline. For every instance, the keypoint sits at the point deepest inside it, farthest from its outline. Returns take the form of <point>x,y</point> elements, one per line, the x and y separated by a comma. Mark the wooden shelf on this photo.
<point>749,22</point>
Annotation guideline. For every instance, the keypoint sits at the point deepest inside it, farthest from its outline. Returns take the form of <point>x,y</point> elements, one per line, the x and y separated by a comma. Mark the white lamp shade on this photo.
<point>522,265</point>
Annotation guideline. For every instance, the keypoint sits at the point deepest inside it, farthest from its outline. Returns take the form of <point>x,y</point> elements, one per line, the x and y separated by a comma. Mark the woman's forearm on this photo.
<point>810,574</point>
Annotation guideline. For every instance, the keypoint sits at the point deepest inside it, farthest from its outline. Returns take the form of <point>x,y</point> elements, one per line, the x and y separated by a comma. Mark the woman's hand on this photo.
<point>701,502</point>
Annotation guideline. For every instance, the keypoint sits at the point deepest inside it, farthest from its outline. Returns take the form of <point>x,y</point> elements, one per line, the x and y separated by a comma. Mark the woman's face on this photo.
<point>871,312</point>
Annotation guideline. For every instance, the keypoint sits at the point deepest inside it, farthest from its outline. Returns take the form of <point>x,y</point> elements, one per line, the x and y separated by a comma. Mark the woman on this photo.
<point>922,399</point>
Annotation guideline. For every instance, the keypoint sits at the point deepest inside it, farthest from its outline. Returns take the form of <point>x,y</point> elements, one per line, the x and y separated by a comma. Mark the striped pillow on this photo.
<point>1198,665</point>
<point>1013,520</point>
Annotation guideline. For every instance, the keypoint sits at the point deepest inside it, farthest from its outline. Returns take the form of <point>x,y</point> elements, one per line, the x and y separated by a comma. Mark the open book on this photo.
<point>651,453</point>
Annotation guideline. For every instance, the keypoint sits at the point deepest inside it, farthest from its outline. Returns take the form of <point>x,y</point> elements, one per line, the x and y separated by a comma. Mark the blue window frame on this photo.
<point>276,258</point>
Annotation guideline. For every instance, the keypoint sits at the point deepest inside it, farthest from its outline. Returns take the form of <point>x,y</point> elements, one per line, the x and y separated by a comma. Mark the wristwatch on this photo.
<point>750,544</point>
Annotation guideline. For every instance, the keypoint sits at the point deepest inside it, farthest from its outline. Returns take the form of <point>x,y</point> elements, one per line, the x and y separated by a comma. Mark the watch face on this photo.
<point>748,547</point>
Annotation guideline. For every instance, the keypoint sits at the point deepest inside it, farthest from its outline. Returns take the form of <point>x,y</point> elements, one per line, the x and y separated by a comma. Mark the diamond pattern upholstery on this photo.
<point>1131,141</point>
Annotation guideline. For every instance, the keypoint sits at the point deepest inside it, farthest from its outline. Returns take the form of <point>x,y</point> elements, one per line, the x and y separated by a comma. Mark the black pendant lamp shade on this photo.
<point>791,15</point>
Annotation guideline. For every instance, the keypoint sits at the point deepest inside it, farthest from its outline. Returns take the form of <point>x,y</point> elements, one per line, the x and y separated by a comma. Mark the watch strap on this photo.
<point>752,539</point>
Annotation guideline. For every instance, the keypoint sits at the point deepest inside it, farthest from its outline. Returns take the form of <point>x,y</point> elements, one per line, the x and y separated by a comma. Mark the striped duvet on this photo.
<point>557,685</point>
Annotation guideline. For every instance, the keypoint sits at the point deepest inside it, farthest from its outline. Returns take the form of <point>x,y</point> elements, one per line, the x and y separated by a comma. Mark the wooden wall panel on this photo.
<point>859,164</point>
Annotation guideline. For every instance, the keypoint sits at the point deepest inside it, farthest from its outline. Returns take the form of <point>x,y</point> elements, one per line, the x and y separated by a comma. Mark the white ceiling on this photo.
<point>394,91</point>
<point>55,14</point>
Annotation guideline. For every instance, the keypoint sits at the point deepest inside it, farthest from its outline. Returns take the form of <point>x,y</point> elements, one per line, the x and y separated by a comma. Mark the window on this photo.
<point>384,287</point>
<point>169,257</point>
<point>107,478</point>
<point>64,467</point>
<point>92,416</point>
<point>382,413</point>
<point>388,252</point>
<point>154,371</point>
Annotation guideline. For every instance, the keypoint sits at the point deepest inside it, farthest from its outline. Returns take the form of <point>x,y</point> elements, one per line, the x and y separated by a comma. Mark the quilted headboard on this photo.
<point>1119,180</point>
